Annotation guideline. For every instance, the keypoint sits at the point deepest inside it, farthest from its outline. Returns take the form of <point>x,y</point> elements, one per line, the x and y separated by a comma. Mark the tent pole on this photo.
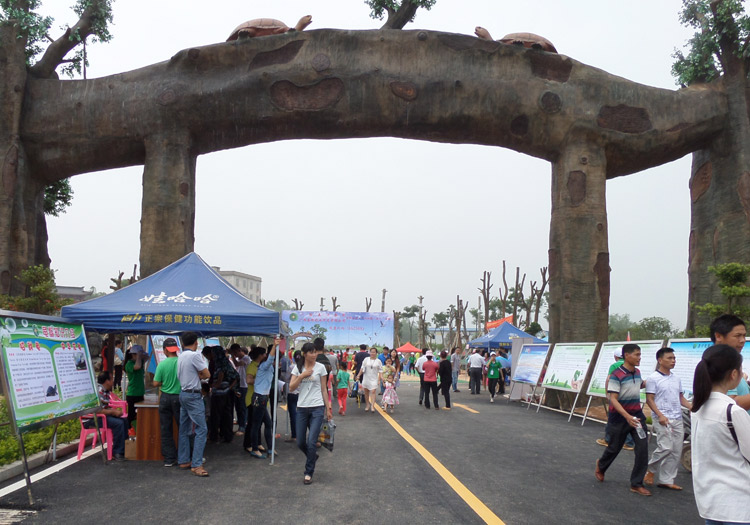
<point>275,397</point>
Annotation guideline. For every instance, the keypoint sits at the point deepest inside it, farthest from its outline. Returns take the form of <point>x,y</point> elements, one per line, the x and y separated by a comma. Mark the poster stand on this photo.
<point>23,423</point>
<point>529,401</point>
<point>567,363</point>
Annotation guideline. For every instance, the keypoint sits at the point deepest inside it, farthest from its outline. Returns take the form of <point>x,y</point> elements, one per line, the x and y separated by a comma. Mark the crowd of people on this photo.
<point>720,423</point>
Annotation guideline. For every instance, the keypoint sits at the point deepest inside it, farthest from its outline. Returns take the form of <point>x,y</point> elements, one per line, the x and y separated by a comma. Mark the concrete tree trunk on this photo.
<point>579,253</point>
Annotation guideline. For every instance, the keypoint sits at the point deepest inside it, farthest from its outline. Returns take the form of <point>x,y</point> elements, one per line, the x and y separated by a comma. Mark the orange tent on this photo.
<point>408,348</point>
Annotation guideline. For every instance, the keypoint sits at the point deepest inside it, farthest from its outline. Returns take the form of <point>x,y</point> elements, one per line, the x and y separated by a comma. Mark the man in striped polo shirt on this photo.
<point>626,418</point>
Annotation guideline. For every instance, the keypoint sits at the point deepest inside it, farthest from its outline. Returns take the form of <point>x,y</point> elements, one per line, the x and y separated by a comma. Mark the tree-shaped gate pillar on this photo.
<point>578,250</point>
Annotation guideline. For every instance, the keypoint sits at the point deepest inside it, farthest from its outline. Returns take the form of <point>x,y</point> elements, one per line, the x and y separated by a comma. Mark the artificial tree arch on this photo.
<point>590,125</point>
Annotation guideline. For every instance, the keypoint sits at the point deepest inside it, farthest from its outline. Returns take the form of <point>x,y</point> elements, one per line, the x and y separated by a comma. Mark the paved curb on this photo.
<point>37,460</point>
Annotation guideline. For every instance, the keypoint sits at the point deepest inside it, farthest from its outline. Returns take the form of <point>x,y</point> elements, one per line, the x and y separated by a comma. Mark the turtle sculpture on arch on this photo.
<point>528,40</point>
<point>266,26</point>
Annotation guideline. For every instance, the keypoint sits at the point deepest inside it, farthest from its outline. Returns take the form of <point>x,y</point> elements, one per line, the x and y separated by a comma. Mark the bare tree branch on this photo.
<point>55,53</point>
<point>398,19</point>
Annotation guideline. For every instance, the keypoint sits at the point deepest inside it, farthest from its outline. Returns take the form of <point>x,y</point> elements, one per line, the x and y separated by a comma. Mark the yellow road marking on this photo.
<point>464,493</point>
<point>466,408</point>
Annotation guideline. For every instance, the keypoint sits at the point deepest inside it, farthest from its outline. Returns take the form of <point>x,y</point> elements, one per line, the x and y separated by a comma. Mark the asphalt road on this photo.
<point>527,468</point>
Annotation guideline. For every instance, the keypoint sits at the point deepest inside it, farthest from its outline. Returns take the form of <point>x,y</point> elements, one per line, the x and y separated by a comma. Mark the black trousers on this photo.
<point>476,379</point>
<point>261,417</point>
<point>248,439</point>
<point>619,431</point>
<point>169,409</point>
<point>445,389</point>
<point>430,386</point>
<point>220,420</point>
<point>493,381</point>
<point>421,386</point>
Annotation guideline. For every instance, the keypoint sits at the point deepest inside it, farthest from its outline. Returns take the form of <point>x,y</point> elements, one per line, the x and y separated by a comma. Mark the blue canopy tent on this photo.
<point>186,296</point>
<point>501,336</point>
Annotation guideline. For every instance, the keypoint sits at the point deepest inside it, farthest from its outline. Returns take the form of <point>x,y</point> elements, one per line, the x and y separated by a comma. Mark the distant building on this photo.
<point>77,293</point>
<point>248,285</point>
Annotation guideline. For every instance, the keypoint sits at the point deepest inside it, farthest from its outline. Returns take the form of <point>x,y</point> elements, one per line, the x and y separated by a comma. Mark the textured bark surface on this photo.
<point>579,253</point>
<point>168,210</point>
<point>339,84</point>
<point>720,211</point>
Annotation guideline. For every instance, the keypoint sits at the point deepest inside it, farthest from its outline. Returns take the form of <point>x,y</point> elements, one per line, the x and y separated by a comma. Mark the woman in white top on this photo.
<point>721,460</point>
<point>312,405</point>
<point>370,369</point>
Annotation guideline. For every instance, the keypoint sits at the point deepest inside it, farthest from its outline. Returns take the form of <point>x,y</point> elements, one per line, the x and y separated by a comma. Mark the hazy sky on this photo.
<point>348,218</point>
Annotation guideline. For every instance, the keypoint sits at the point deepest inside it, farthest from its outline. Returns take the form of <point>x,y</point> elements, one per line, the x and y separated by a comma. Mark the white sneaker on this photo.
<point>492,399</point>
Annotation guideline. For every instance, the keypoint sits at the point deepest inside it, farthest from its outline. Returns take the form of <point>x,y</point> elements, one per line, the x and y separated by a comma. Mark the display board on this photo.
<point>156,346</point>
<point>530,363</point>
<point>606,359</point>
<point>687,353</point>
<point>339,329</point>
<point>568,366</point>
<point>47,369</point>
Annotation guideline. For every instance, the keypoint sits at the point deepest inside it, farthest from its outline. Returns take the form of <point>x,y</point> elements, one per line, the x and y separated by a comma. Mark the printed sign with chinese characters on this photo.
<point>47,368</point>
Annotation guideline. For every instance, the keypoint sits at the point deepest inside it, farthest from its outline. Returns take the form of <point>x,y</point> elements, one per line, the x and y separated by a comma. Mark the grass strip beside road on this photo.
<point>464,493</point>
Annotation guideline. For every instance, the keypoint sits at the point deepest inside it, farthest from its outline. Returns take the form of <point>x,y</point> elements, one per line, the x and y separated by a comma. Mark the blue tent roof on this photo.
<point>501,336</point>
<point>186,296</point>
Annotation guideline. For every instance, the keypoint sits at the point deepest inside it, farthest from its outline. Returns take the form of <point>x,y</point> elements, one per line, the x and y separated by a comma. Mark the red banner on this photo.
<point>494,324</point>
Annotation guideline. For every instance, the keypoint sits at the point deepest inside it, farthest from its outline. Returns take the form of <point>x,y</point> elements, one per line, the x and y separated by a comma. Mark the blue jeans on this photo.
<point>455,381</point>
<point>714,522</point>
<point>117,426</point>
<point>291,407</point>
<point>192,412</point>
<point>309,418</point>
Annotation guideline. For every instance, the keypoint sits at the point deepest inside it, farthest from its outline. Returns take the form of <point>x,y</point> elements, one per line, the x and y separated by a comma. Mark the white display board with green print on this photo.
<point>47,372</point>
<point>568,366</point>
<point>607,359</point>
<point>567,369</point>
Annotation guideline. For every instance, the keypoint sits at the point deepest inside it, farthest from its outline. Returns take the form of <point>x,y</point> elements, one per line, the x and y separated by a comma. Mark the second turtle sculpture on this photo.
<point>528,40</point>
<point>266,26</point>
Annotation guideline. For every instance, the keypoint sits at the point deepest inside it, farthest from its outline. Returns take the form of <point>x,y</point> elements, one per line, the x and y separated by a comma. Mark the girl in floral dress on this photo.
<point>390,398</point>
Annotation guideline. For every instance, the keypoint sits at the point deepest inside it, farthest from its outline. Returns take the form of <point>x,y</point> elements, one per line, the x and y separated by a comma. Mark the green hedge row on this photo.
<point>35,441</point>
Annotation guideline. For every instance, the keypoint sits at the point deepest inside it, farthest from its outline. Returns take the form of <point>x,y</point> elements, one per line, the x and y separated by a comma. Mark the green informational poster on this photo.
<point>568,366</point>
<point>47,368</point>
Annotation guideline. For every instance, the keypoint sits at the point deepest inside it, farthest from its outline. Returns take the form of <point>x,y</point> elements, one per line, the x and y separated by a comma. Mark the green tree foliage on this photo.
<point>716,22</point>
<point>534,328</point>
<point>277,305</point>
<point>33,25</point>
<point>647,328</point>
<point>379,8</point>
<point>101,17</point>
<point>733,282</point>
<point>57,197</point>
<point>42,295</point>
<point>409,313</point>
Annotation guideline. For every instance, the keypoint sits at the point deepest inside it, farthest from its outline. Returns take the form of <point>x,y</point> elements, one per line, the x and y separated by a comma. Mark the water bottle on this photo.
<point>639,429</point>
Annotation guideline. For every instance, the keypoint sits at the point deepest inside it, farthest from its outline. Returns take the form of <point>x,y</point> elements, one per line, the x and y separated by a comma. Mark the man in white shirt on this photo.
<point>475,365</point>
<point>191,368</point>
<point>420,371</point>
<point>665,399</point>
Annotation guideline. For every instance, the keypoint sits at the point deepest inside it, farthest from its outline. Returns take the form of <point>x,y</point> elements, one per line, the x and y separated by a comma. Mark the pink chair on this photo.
<point>86,431</point>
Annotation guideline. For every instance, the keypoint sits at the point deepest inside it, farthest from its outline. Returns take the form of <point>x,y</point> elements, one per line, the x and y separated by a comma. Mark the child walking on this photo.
<point>390,398</point>
<point>342,383</point>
